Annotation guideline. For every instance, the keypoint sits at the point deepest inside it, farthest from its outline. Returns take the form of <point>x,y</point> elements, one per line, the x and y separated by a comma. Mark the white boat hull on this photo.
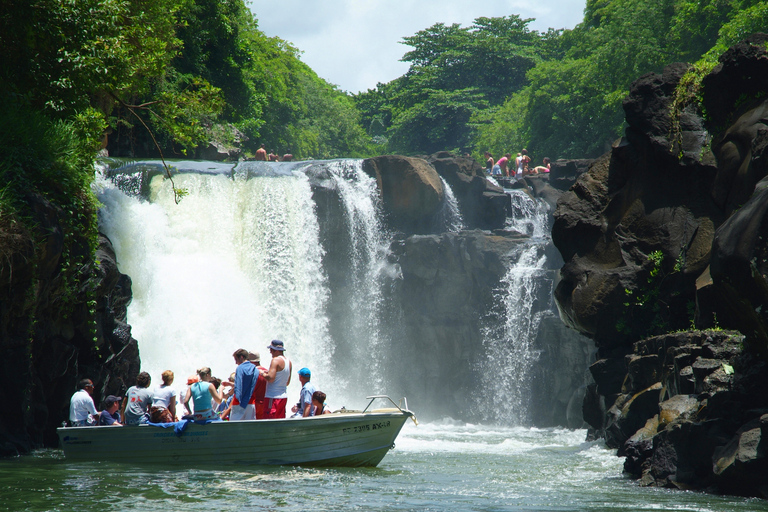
<point>340,439</point>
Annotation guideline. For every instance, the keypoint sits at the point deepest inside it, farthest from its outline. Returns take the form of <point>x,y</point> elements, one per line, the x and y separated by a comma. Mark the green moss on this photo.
<point>53,160</point>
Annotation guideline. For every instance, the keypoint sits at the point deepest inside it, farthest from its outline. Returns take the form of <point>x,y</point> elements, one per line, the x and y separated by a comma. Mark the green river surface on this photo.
<point>434,467</point>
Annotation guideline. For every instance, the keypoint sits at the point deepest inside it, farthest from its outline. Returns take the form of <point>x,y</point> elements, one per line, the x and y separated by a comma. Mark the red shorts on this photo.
<point>274,408</point>
<point>261,413</point>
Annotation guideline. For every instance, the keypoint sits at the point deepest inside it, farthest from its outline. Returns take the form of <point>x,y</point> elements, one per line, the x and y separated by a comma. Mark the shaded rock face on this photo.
<point>686,413</point>
<point>47,349</point>
<point>663,233</point>
<point>634,201</point>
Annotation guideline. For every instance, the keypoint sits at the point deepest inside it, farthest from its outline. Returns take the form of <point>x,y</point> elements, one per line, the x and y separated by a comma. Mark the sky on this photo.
<point>355,44</point>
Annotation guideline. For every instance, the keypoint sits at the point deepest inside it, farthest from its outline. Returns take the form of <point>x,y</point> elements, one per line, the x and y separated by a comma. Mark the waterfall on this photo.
<point>299,252</point>
<point>241,260</point>
<point>358,255</point>
<point>512,324</point>
<point>450,215</point>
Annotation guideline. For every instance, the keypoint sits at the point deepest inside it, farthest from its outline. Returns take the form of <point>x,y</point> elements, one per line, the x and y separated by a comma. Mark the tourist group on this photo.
<point>522,165</point>
<point>252,392</point>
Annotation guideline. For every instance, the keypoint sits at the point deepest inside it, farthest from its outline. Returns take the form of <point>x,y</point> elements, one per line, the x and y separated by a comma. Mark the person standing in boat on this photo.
<point>81,408</point>
<point>202,393</point>
<point>246,376</point>
<point>261,385</point>
<point>278,378</point>
<point>137,401</point>
<point>304,407</point>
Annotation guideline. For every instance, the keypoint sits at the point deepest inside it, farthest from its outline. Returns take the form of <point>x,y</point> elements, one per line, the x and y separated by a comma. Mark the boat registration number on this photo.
<point>365,428</point>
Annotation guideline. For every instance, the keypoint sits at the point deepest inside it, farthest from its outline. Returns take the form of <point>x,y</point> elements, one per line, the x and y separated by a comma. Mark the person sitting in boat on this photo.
<point>278,378</point>
<point>227,395</point>
<point>81,407</point>
<point>137,401</point>
<point>202,393</point>
<point>163,408</point>
<point>304,407</point>
<point>110,414</point>
<point>318,402</point>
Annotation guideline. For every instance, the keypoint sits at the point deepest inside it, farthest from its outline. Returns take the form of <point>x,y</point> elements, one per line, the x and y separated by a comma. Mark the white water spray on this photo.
<point>513,324</point>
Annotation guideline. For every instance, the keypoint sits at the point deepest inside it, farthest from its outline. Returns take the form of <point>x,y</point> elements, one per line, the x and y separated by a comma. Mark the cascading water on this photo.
<point>239,261</point>
<point>297,252</point>
<point>359,259</point>
<point>450,215</point>
<point>511,326</point>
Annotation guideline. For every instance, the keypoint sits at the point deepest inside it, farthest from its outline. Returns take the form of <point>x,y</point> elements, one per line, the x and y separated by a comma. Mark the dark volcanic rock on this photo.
<point>51,339</point>
<point>662,233</point>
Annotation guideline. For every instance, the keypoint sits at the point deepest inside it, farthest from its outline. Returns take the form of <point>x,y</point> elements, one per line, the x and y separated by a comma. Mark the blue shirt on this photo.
<point>306,398</point>
<point>108,419</point>
<point>246,376</point>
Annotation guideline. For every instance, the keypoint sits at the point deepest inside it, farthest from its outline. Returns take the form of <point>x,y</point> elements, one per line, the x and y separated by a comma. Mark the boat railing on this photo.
<point>403,408</point>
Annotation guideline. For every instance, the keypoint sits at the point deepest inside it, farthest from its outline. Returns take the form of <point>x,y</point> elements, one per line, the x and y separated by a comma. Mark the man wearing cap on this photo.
<point>110,416</point>
<point>278,378</point>
<point>246,376</point>
<point>81,408</point>
<point>304,407</point>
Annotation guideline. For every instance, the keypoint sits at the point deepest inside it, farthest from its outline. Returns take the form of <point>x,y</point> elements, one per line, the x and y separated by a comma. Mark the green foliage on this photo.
<point>557,94</point>
<point>53,159</point>
<point>456,73</point>
<point>643,312</point>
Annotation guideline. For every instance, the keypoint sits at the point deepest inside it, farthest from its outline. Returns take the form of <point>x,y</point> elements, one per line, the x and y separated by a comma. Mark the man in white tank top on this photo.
<point>278,377</point>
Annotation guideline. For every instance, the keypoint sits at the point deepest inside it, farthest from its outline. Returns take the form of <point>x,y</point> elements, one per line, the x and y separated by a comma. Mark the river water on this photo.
<point>435,466</point>
<point>245,258</point>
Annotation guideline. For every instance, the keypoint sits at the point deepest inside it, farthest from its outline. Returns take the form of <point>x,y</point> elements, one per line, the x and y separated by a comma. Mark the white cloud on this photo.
<point>356,43</point>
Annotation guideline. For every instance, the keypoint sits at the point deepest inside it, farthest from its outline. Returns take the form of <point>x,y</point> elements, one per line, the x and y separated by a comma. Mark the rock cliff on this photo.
<point>664,233</point>
<point>54,332</point>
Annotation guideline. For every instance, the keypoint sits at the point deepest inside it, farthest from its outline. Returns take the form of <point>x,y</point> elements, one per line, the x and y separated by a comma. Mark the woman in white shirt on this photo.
<point>163,408</point>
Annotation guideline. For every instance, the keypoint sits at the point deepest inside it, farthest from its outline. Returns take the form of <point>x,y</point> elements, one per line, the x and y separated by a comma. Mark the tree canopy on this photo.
<point>499,86</point>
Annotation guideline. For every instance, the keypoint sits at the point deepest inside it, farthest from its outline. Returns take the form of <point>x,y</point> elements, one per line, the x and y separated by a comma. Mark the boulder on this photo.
<point>742,463</point>
<point>410,188</point>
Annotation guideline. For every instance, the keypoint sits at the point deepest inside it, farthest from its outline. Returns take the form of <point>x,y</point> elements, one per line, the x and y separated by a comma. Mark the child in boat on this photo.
<point>318,401</point>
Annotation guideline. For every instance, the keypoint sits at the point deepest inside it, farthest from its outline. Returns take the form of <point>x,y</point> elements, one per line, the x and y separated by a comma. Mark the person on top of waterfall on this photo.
<point>522,163</point>
<point>278,378</point>
<point>288,157</point>
<point>488,162</point>
<point>502,163</point>
<point>543,168</point>
<point>272,156</point>
<point>261,154</point>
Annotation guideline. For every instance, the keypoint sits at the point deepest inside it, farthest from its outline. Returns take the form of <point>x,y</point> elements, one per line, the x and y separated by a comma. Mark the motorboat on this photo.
<point>343,438</point>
